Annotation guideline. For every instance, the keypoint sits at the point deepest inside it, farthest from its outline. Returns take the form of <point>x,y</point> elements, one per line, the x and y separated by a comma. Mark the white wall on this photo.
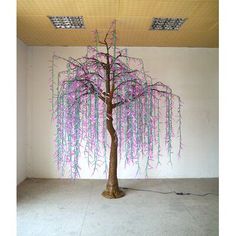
<point>21,110</point>
<point>192,73</point>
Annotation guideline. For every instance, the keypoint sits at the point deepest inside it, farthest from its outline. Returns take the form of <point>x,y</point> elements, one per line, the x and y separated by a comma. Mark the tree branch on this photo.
<point>141,94</point>
<point>93,87</point>
<point>124,73</point>
<point>95,59</point>
<point>82,95</point>
<point>127,81</point>
<point>127,100</point>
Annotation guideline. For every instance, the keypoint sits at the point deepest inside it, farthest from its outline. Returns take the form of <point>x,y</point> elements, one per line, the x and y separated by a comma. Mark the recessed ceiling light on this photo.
<point>67,22</point>
<point>167,23</point>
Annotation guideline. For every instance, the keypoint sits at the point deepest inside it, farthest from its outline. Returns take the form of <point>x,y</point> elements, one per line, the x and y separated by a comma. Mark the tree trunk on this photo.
<point>112,188</point>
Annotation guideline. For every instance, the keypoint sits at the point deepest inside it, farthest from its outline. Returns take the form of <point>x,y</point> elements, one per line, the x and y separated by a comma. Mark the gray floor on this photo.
<point>49,207</point>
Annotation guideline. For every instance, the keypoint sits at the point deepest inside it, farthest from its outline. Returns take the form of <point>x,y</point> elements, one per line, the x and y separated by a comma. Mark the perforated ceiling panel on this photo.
<point>134,19</point>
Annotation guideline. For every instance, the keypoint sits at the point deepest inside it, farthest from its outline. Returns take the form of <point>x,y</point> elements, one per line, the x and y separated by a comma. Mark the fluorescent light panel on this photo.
<point>167,23</point>
<point>67,22</point>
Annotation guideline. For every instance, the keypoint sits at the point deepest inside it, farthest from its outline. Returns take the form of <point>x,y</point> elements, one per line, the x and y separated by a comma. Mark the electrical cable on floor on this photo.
<point>177,193</point>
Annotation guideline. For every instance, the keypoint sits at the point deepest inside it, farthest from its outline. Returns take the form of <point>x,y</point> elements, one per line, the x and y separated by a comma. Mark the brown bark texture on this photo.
<point>112,187</point>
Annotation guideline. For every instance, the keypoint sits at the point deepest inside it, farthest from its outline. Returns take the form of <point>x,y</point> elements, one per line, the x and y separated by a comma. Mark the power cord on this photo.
<point>177,193</point>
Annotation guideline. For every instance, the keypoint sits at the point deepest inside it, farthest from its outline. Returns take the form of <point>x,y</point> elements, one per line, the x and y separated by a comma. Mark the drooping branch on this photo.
<point>90,86</point>
<point>128,100</point>
<point>133,81</point>
<point>96,61</point>
<point>124,73</point>
<point>79,99</point>
<point>145,90</point>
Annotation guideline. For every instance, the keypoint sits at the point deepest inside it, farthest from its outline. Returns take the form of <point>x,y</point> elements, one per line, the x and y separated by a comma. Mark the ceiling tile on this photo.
<point>133,20</point>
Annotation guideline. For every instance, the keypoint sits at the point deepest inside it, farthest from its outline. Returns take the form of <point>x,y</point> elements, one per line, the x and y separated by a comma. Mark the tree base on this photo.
<point>113,193</point>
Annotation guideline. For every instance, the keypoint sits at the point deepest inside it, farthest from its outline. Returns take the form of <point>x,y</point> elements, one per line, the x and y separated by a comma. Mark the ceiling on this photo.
<point>133,20</point>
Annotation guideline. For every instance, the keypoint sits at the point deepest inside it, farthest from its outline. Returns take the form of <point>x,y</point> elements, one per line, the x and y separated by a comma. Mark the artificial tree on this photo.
<point>110,91</point>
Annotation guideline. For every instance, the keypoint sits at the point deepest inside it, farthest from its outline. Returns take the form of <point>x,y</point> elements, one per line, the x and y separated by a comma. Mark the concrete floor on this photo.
<point>49,207</point>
